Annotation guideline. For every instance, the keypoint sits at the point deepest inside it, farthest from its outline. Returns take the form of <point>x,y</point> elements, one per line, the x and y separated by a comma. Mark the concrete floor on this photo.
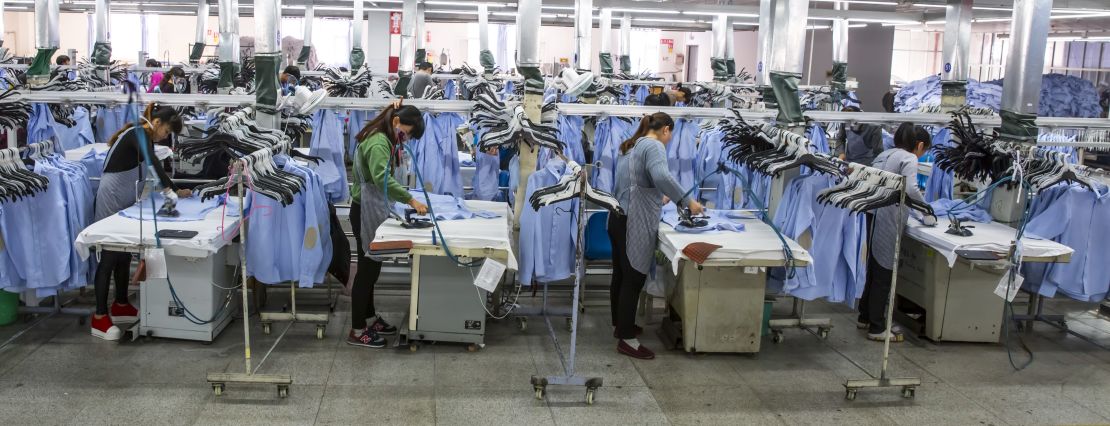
<point>57,374</point>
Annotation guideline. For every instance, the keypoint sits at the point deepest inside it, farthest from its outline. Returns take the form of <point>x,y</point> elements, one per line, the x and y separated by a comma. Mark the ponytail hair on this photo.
<point>908,135</point>
<point>383,123</point>
<point>167,114</point>
<point>652,122</point>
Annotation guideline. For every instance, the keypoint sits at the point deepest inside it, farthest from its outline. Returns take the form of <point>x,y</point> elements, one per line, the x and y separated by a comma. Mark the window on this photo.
<point>126,36</point>
<point>645,50</point>
<point>917,54</point>
<point>330,37</point>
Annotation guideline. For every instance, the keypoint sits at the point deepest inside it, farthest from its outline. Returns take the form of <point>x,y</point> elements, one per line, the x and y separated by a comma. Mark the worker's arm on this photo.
<point>375,155</point>
<point>660,175</point>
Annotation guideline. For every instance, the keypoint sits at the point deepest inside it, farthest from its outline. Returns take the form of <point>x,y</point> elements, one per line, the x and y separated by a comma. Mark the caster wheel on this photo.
<point>218,389</point>
<point>283,391</point>
<point>319,333</point>
<point>472,348</point>
<point>908,393</point>
<point>777,337</point>
<point>850,395</point>
<point>823,333</point>
<point>590,396</point>
<point>522,323</point>
<point>266,328</point>
<point>570,324</point>
<point>413,347</point>
<point>540,391</point>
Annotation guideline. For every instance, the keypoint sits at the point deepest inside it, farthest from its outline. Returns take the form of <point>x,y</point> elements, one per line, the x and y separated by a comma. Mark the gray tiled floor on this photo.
<point>56,374</point>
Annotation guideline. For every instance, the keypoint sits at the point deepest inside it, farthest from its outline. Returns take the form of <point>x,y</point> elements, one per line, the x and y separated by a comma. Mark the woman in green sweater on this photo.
<point>374,189</point>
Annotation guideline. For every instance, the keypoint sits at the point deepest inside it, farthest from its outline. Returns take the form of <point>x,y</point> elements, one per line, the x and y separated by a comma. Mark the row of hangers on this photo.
<point>771,150</point>
<point>265,176</point>
<point>16,182</point>
<point>570,186</point>
<point>869,188</point>
<point>503,126</point>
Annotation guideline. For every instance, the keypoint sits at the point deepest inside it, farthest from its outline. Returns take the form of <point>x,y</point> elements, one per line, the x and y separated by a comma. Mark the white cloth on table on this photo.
<point>474,233</point>
<point>994,237</point>
<point>120,231</point>
<point>757,242</point>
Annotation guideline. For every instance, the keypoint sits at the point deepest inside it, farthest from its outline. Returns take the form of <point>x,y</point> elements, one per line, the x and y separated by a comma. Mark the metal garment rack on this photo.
<point>907,384</point>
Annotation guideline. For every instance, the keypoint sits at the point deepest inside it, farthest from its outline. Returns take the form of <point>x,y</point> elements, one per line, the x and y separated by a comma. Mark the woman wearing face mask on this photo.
<point>642,181</point>
<point>124,168</point>
<point>174,81</point>
<point>371,195</point>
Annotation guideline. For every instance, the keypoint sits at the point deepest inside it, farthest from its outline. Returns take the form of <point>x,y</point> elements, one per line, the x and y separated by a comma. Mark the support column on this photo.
<point>583,34</point>
<point>229,43</point>
<point>1021,92</point>
<point>46,41</point>
<point>840,52</point>
<point>3,50</point>
<point>144,36</point>
<point>528,61</point>
<point>764,54</point>
<point>730,47</point>
<point>358,16</point>
<point>957,54</point>
<point>408,48</point>
<point>605,27</point>
<point>485,55</point>
<point>421,35</point>
<point>718,60</point>
<point>626,43</point>
<point>201,34</point>
<point>786,64</point>
<point>267,62</point>
<point>309,17</point>
<point>102,48</point>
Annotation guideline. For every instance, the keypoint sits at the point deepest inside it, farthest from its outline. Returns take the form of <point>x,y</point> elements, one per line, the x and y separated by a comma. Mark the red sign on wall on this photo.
<point>669,43</point>
<point>395,22</point>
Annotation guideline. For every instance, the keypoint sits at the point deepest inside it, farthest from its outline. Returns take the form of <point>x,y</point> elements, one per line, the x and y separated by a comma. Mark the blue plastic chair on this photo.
<point>598,246</point>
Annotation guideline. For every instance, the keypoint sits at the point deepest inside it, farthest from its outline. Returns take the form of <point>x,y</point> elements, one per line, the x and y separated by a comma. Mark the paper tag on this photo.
<point>490,275</point>
<point>1011,292</point>
<point>750,270</point>
<point>155,263</point>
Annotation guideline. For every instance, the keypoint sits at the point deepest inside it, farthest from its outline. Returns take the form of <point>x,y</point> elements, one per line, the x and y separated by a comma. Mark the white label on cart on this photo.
<point>155,263</point>
<point>751,270</point>
<point>1011,292</point>
<point>490,275</point>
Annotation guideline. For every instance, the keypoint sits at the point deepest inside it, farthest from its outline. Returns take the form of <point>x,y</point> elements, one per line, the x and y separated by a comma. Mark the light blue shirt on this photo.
<point>327,143</point>
<point>486,175</point>
<point>108,121</point>
<point>716,221</point>
<point>682,152</point>
<point>436,154</point>
<point>445,207</point>
<point>548,236</point>
<point>190,209</point>
<point>609,133</point>
<point>1079,218</point>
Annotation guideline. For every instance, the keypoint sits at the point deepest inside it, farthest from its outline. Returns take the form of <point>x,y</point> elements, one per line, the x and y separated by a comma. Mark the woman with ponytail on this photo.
<point>373,191</point>
<point>643,186</point>
<point>123,170</point>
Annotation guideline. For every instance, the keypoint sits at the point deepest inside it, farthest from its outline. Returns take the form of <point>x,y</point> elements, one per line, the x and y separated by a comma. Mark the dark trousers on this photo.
<point>872,305</point>
<point>624,290</point>
<point>112,264</point>
<point>362,291</point>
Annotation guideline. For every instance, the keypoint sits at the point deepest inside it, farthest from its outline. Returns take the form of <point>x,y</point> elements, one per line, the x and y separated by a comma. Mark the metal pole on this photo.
<point>626,43</point>
<point>957,53</point>
<point>229,43</point>
<point>730,47</point>
<point>840,50</point>
<point>894,277</point>
<point>1024,67</point>
<point>408,48</point>
<point>765,52</point>
<point>528,61</point>
<point>101,13</point>
<point>421,35</point>
<point>201,36</point>
<point>583,33</point>
<point>243,271</point>
<point>485,55</point>
<point>309,16</point>
<point>605,27</point>
<point>787,63</point>
<point>720,69</point>
<point>267,59</point>
<point>2,37</point>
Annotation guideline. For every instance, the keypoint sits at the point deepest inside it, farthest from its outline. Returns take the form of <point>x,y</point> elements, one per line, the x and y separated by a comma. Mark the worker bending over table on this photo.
<point>642,181</point>
<point>910,143</point>
<point>123,173</point>
<point>375,189</point>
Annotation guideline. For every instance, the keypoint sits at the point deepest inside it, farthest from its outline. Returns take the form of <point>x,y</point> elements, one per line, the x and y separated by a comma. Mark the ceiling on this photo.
<point>695,15</point>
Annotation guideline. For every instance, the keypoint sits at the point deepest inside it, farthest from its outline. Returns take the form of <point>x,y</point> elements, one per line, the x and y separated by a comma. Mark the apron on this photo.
<point>645,204</point>
<point>373,203</point>
<point>117,190</point>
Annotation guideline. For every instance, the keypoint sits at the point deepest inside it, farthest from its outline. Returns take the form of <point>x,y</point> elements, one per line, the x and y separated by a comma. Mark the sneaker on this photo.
<point>639,353</point>
<point>369,339</point>
<point>383,328</point>
<point>104,328</point>
<point>124,313</point>
<point>896,335</point>
<point>863,325</point>
<point>638,331</point>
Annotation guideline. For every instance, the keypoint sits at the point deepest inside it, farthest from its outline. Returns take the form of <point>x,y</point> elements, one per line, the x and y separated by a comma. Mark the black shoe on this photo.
<point>383,328</point>
<point>368,339</point>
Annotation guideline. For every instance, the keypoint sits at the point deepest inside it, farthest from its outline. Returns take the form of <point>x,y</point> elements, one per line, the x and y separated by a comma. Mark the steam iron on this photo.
<point>414,221</point>
<point>688,220</point>
<point>955,228</point>
<point>169,208</point>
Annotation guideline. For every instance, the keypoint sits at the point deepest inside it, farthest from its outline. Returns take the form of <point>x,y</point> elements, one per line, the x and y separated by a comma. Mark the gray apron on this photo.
<point>645,204</point>
<point>373,203</point>
<point>116,191</point>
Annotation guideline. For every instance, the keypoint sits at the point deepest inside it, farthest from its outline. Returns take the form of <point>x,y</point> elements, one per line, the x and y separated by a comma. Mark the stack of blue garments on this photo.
<point>327,143</point>
<point>609,133</point>
<point>838,272</point>
<point>41,127</point>
<point>1066,96</point>
<point>436,154</point>
<point>290,243</point>
<point>926,92</point>
<point>37,252</point>
<point>1075,216</point>
<point>445,207</point>
<point>548,236</point>
<point>960,210</point>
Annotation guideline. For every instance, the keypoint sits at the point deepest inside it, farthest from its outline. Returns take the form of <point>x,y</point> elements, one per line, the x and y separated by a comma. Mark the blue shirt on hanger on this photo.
<point>547,237</point>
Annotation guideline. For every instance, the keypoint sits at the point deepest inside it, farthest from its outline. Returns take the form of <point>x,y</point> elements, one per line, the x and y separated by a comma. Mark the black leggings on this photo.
<point>624,290</point>
<point>362,291</point>
<point>117,264</point>
<point>876,294</point>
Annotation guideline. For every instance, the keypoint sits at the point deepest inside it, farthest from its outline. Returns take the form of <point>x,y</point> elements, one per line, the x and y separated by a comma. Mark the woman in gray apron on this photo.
<point>642,181</point>
<point>374,189</point>
<point>123,169</point>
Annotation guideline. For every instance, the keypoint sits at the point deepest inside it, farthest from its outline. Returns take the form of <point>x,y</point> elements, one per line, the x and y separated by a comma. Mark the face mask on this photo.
<point>179,85</point>
<point>400,135</point>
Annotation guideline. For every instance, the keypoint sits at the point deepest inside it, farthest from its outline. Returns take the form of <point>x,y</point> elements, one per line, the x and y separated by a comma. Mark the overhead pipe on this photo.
<point>102,47</point>
<point>957,53</point>
<point>605,27</point>
<point>358,18</point>
<point>730,47</point>
<point>421,35</point>
<point>786,64</point>
<point>144,36</point>
<point>840,51</point>
<point>408,48</point>
<point>3,50</point>
<point>46,41</point>
<point>583,33</point>
<point>528,61</point>
<point>200,39</point>
<point>764,52</point>
<point>485,56</point>
<point>306,48</point>
<point>1021,91</point>
<point>267,62</point>
<point>717,61</point>
<point>626,43</point>
<point>228,50</point>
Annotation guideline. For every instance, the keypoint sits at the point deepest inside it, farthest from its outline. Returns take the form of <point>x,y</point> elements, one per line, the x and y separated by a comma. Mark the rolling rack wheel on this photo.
<point>539,386</point>
<point>413,346</point>
<point>473,347</point>
<point>777,336</point>
<point>570,324</point>
<point>823,333</point>
<point>265,328</point>
<point>850,394</point>
<point>218,389</point>
<point>522,323</point>
<point>908,392</point>
<point>320,332</point>
<point>283,391</point>
<point>590,393</point>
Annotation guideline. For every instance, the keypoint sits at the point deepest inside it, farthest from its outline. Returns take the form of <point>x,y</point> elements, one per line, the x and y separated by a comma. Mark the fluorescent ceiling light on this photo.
<point>454,12</point>
<point>879,2</point>
<point>857,25</point>
<point>674,21</point>
<point>559,7</point>
<point>742,15</point>
<point>817,27</point>
<point>659,11</point>
<point>754,24</point>
<point>514,14</point>
<point>883,21</point>
<point>455,3</point>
